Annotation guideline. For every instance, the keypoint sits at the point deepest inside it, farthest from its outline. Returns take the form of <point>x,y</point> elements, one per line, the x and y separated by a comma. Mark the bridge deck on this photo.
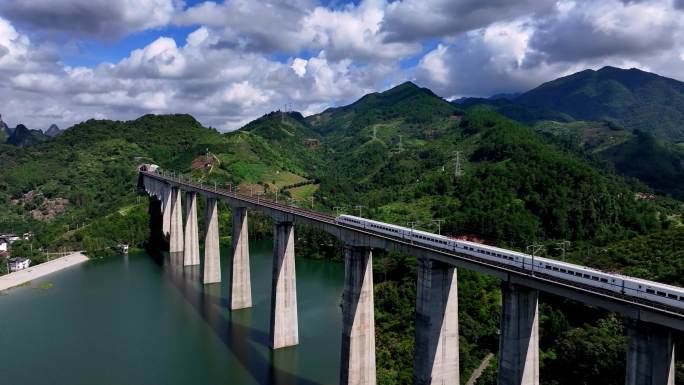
<point>631,306</point>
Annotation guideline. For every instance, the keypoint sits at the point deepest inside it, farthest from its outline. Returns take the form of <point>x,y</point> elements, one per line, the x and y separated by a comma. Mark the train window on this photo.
<point>604,280</point>
<point>563,271</point>
<point>548,267</point>
<point>555,268</point>
<point>660,293</point>
<point>671,296</point>
<point>578,274</point>
<point>681,298</point>
<point>650,291</point>
<point>594,278</point>
<point>570,272</point>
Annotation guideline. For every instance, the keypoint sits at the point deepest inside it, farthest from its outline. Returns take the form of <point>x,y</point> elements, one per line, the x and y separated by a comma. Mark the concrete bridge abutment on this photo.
<point>650,355</point>
<point>212,256</point>
<point>191,255</point>
<point>357,366</point>
<point>240,281</point>
<point>284,330</point>
<point>519,340</point>
<point>437,349</point>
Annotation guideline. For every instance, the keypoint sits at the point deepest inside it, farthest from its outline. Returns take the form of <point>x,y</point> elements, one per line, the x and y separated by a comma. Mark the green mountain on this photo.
<point>414,105</point>
<point>393,152</point>
<point>22,136</point>
<point>632,98</point>
<point>53,131</point>
<point>91,170</point>
<point>607,114</point>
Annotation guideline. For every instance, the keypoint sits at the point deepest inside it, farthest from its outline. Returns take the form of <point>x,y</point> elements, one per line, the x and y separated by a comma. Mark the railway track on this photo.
<point>329,219</point>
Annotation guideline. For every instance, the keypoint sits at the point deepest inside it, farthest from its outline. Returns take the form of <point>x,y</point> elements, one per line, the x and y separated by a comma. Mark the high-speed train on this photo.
<point>648,290</point>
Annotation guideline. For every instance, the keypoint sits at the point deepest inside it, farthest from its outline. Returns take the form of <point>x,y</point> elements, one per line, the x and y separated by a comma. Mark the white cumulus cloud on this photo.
<point>244,58</point>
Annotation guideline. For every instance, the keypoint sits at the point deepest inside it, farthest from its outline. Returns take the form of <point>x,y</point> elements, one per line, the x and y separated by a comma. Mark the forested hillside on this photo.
<point>632,98</point>
<point>631,119</point>
<point>404,155</point>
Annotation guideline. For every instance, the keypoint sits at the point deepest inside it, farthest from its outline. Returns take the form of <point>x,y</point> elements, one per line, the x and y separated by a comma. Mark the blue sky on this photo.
<point>229,62</point>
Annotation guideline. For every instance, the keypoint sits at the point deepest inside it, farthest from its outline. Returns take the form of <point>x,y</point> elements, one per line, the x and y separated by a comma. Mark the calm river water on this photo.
<point>132,321</point>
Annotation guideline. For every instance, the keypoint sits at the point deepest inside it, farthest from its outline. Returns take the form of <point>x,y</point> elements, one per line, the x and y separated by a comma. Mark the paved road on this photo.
<point>478,372</point>
<point>35,272</point>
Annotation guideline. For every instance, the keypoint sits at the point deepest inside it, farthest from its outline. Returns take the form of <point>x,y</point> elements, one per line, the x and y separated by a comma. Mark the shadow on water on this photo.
<point>230,327</point>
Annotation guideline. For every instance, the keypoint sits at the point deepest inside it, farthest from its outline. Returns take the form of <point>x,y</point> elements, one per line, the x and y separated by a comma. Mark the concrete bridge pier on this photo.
<point>519,340</point>
<point>166,210</point>
<point>191,255</point>
<point>284,325</point>
<point>176,235</point>
<point>650,355</point>
<point>357,366</point>
<point>212,256</point>
<point>240,284</point>
<point>436,352</point>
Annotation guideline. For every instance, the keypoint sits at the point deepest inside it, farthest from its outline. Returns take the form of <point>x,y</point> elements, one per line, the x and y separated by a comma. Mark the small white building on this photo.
<point>4,244</point>
<point>11,238</point>
<point>19,263</point>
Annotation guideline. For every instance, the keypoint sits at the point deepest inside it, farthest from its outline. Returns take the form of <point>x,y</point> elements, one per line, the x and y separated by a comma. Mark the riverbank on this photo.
<point>27,275</point>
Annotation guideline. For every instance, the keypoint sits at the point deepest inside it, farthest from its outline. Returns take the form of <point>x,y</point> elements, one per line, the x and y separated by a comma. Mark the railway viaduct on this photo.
<point>650,352</point>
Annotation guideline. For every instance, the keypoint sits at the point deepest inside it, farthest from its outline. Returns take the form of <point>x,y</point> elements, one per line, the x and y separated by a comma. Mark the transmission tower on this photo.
<point>562,247</point>
<point>457,167</point>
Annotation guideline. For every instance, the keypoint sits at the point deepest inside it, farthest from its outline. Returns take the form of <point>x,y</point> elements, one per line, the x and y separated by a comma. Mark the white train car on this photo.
<point>648,290</point>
